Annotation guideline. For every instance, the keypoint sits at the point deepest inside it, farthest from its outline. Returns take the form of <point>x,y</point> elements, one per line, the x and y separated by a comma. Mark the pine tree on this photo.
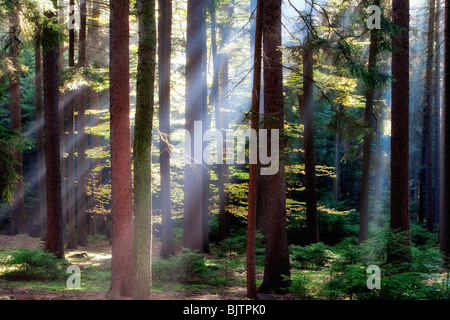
<point>277,256</point>
<point>142,245</point>
<point>164,61</point>
<point>121,184</point>
<point>399,218</point>
<point>54,238</point>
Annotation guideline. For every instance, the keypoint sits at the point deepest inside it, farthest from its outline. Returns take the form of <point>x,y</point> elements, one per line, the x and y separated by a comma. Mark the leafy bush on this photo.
<point>188,267</point>
<point>34,264</point>
<point>312,256</point>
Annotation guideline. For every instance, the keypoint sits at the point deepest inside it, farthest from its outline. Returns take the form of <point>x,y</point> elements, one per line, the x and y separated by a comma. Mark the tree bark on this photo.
<point>71,233</point>
<point>444,224</point>
<point>253,171</point>
<point>40,141</point>
<point>18,221</point>
<point>142,280</point>
<point>62,131</point>
<point>54,239</point>
<point>277,255</point>
<point>399,217</point>
<point>307,115</point>
<point>82,166</point>
<point>164,61</point>
<point>121,184</point>
<point>427,126</point>
<point>367,146</point>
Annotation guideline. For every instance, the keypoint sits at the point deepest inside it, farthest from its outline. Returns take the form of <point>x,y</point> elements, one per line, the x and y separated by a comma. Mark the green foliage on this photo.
<point>8,177</point>
<point>312,256</point>
<point>187,267</point>
<point>34,264</point>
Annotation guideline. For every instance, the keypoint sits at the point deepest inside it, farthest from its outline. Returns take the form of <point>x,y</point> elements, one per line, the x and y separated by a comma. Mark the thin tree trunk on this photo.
<point>399,218</point>
<point>54,239</point>
<point>206,124</point>
<point>164,61</point>
<point>276,266</point>
<point>71,233</point>
<point>437,115</point>
<point>95,55</point>
<point>40,142</point>
<point>307,116</point>
<point>82,165</point>
<point>18,221</point>
<point>253,171</point>
<point>428,138</point>
<point>121,184</point>
<point>367,146</point>
<point>337,160</point>
<point>192,218</point>
<point>62,132</point>
<point>445,207</point>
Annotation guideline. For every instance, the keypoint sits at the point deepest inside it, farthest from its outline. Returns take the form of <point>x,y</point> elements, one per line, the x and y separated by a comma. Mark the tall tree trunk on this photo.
<point>18,221</point>
<point>82,165</point>
<point>337,158</point>
<point>121,184</point>
<point>427,126</point>
<point>192,218</point>
<point>40,141</point>
<point>337,168</point>
<point>61,108</point>
<point>444,224</point>
<point>71,233</point>
<point>222,120</point>
<point>437,114</point>
<point>276,266</point>
<point>399,219</point>
<point>307,115</point>
<point>95,57</point>
<point>164,61</point>
<point>206,124</point>
<point>54,239</point>
<point>253,171</point>
<point>367,146</point>
<point>142,274</point>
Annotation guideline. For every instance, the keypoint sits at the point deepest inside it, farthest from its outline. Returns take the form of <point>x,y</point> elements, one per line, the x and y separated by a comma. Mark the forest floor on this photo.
<point>94,261</point>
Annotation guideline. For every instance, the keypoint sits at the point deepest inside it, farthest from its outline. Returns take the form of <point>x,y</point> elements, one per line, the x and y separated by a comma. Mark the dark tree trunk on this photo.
<point>121,184</point>
<point>444,224</point>
<point>399,219</point>
<point>164,61</point>
<point>82,165</point>
<point>206,124</point>
<point>277,255</point>
<point>18,222</point>
<point>71,233</point>
<point>307,116</point>
<point>40,142</point>
<point>427,125</point>
<point>54,239</point>
<point>437,115</point>
<point>367,146</point>
<point>62,131</point>
<point>253,171</point>
<point>193,189</point>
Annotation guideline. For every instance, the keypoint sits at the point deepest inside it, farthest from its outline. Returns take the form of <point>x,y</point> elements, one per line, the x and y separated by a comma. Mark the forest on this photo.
<point>224,150</point>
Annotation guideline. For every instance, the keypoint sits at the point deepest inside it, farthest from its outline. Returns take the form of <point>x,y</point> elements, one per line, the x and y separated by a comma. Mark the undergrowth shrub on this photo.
<point>34,264</point>
<point>187,267</point>
<point>311,256</point>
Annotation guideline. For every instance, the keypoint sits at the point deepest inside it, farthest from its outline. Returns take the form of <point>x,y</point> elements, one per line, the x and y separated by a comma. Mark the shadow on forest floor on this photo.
<point>94,261</point>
